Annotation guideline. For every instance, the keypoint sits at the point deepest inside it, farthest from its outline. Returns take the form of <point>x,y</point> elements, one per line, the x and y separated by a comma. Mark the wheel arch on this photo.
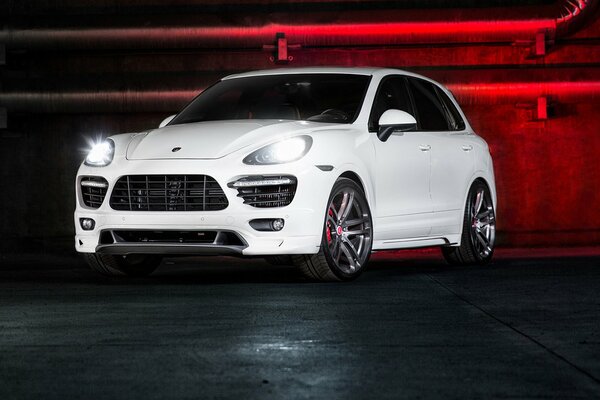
<point>479,177</point>
<point>482,180</point>
<point>356,178</point>
<point>488,180</point>
<point>353,176</point>
<point>489,183</point>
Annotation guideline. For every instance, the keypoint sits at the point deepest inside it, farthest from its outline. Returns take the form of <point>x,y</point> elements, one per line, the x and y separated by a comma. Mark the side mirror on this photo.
<point>395,121</point>
<point>166,121</point>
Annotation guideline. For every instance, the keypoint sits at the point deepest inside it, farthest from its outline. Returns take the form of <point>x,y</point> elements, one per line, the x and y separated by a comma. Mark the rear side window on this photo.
<point>455,121</point>
<point>431,113</point>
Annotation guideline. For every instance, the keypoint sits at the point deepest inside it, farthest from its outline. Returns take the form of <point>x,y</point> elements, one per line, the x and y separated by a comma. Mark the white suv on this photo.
<point>312,166</point>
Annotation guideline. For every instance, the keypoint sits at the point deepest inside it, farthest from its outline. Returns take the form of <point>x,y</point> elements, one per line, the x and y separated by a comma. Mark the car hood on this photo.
<point>212,139</point>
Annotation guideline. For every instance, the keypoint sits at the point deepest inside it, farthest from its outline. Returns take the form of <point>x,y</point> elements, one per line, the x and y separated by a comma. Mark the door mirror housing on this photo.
<point>395,121</point>
<point>166,121</point>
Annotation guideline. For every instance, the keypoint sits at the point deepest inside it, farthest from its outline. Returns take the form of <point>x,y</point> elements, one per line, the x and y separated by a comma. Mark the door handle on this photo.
<point>467,147</point>
<point>424,147</point>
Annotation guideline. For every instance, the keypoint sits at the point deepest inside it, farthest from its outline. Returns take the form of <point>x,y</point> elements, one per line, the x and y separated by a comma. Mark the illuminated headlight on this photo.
<point>286,151</point>
<point>101,154</point>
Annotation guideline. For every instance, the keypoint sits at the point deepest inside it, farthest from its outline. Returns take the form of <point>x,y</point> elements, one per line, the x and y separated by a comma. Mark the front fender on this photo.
<point>347,151</point>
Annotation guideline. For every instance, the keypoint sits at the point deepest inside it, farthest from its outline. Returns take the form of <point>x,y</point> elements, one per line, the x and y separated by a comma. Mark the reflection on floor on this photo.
<point>411,327</point>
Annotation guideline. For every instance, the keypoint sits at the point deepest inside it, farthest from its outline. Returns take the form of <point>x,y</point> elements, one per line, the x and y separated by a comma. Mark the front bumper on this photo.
<point>303,217</point>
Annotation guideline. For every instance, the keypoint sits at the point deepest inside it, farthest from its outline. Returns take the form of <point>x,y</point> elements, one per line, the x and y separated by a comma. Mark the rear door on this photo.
<point>452,160</point>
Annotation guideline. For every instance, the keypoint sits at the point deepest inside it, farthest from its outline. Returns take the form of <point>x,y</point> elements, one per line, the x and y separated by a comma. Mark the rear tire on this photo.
<point>347,237</point>
<point>134,265</point>
<point>479,230</point>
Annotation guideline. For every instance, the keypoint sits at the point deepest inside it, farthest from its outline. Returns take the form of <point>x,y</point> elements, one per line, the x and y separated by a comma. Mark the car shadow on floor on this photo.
<point>226,270</point>
<point>196,271</point>
<point>384,266</point>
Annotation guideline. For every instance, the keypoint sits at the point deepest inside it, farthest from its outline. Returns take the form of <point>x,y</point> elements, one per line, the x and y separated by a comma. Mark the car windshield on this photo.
<point>333,98</point>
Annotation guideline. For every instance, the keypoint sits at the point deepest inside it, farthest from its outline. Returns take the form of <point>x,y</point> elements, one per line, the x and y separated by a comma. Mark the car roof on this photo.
<point>370,71</point>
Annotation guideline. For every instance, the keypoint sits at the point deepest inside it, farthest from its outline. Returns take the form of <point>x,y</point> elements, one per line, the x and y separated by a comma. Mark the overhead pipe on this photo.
<point>513,92</point>
<point>572,14</point>
<point>66,66</point>
<point>110,101</point>
<point>316,29</point>
<point>171,100</point>
<point>155,92</point>
<point>34,6</point>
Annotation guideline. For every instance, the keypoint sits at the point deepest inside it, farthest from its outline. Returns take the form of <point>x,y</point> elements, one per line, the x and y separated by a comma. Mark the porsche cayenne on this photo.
<point>316,167</point>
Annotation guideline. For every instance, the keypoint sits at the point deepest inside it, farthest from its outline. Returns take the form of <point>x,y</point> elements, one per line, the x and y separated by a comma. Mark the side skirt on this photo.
<point>452,240</point>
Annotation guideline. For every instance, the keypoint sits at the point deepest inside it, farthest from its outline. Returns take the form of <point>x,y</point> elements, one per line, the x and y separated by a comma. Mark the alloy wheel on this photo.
<point>348,231</point>
<point>483,223</point>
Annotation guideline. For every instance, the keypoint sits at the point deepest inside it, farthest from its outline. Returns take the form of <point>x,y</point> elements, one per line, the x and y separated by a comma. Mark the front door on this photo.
<point>402,170</point>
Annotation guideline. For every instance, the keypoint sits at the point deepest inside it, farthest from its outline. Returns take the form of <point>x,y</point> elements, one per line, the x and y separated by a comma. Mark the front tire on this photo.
<point>479,230</point>
<point>347,237</point>
<point>134,265</point>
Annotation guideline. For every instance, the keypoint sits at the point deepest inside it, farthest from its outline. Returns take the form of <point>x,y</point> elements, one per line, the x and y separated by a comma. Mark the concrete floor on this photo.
<point>527,326</point>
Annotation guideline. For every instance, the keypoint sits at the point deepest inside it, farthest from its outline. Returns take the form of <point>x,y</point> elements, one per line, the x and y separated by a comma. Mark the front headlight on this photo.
<point>286,151</point>
<point>101,154</point>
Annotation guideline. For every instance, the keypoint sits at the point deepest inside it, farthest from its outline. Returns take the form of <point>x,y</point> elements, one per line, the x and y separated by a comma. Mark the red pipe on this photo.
<point>307,35</point>
<point>173,100</point>
<point>341,29</point>
<point>572,13</point>
<point>511,92</point>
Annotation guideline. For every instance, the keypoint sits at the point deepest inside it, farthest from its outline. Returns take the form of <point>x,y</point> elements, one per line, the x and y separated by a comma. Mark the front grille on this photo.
<point>168,193</point>
<point>93,190</point>
<point>269,195</point>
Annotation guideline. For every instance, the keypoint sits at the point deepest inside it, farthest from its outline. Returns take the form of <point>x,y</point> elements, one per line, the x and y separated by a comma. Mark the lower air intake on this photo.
<point>93,190</point>
<point>266,191</point>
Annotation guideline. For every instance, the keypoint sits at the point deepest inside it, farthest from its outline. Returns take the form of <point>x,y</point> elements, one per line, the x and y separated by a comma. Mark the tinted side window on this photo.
<point>431,112</point>
<point>392,94</point>
<point>455,120</point>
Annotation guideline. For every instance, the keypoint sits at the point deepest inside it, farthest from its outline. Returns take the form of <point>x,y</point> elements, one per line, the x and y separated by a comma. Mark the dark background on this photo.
<point>527,326</point>
<point>71,71</point>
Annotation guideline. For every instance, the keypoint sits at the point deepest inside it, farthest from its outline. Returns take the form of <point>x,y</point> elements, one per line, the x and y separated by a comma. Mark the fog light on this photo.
<point>277,224</point>
<point>87,224</point>
<point>267,224</point>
